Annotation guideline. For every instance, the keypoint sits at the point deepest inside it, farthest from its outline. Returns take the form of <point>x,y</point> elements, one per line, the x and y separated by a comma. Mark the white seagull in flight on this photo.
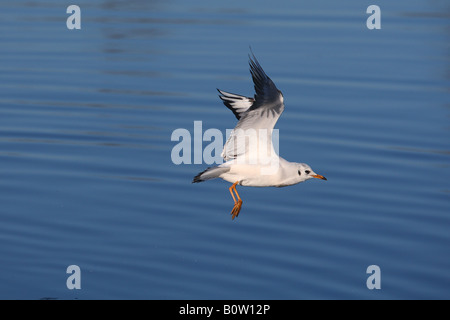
<point>249,153</point>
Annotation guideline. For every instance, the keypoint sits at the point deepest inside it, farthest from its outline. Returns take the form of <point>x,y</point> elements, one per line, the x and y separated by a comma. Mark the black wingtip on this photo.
<point>251,57</point>
<point>255,67</point>
<point>260,78</point>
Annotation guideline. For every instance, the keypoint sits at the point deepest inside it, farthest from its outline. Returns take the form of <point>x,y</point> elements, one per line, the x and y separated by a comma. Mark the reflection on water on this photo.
<point>86,176</point>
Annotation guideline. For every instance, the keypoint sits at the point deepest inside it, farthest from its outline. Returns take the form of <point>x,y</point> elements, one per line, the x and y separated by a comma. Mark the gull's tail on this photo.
<point>210,173</point>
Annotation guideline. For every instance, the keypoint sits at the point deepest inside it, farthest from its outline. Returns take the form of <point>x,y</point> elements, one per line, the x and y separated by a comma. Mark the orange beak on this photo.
<point>318,176</point>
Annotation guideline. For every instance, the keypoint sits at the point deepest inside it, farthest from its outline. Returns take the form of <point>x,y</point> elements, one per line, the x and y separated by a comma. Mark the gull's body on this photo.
<point>250,156</point>
<point>250,175</point>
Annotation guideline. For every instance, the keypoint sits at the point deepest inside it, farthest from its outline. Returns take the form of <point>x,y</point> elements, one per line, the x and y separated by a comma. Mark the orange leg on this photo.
<point>238,203</point>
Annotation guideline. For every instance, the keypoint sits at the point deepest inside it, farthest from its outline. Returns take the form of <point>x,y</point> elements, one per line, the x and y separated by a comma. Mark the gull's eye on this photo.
<point>307,171</point>
<point>299,173</point>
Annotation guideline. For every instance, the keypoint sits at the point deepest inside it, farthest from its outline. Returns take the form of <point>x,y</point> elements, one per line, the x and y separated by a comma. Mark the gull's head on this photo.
<point>304,172</point>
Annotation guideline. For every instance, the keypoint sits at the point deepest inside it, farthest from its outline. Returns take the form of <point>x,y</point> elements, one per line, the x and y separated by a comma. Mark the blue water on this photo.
<point>86,176</point>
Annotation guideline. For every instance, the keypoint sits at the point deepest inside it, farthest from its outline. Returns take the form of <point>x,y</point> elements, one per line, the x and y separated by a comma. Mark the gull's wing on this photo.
<point>263,113</point>
<point>236,103</point>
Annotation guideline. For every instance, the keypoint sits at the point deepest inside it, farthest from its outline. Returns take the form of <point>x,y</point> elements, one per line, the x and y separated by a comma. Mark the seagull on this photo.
<point>249,154</point>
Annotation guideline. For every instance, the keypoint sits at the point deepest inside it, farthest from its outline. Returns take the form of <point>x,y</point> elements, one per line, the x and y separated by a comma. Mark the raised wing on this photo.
<point>259,119</point>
